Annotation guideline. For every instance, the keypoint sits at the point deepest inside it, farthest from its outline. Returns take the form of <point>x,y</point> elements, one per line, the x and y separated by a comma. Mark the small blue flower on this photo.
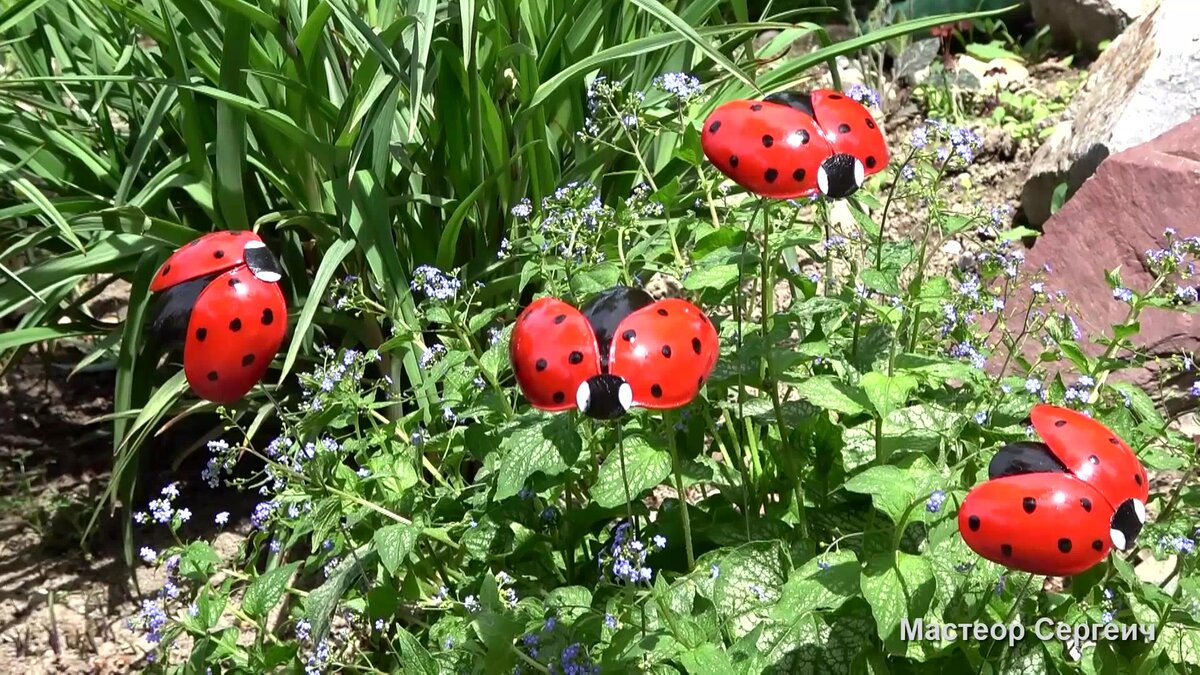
<point>1123,294</point>
<point>936,499</point>
<point>714,571</point>
<point>610,621</point>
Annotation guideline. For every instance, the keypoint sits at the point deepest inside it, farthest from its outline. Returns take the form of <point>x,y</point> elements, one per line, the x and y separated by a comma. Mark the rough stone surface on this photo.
<point>1088,22</point>
<point>1112,221</point>
<point>1145,83</point>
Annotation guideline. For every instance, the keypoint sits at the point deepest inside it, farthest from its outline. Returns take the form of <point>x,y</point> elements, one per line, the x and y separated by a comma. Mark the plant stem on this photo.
<point>625,477</point>
<point>677,469</point>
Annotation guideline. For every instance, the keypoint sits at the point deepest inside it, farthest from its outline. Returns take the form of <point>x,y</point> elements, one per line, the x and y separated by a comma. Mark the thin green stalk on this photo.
<point>677,469</point>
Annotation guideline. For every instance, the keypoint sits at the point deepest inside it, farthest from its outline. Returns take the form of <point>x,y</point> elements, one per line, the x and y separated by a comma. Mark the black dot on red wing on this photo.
<point>540,365</point>
<point>212,376</point>
<point>268,317</point>
<point>835,97</point>
<point>843,128</point>
<point>235,325</point>
<point>803,134</point>
<point>1060,423</point>
<point>871,162</point>
<point>234,282</point>
<point>1094,459</point>
<point>629,335</point>
<point>166,270</point>
<point>1029,504</point>
<point>662,312</point>
<point>696,345</point>
<point>798,175</point>
<point>767,140</point>
<point>1098,545</point>
<point>575,358</point>
<point>1113,440</point>
<point>656,391</point>
<point>560,318</point>
<point>1086,504</point>
<point>973,523</point>
<point>770,175</point>
<point>1064,545</point>
<point>247,359</point>
<point>870,123</point>
<point>1137,478</point>
<point>219,254</point>
<point>666,351</point>
<point>559,397</point>
<point>756,107</point>
<point>201,333</point>
<point>733,161</point>
<point>712,128</point>
<point>1006,549</point>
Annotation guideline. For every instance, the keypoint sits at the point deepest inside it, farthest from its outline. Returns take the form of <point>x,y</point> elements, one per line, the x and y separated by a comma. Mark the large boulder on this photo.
<point>1087,23</point>
<point>1112,221</point>
<point>1145,83</point>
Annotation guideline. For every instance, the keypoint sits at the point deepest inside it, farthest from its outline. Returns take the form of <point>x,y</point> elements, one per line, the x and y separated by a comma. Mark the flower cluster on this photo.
<point>685,88</point>
<point>864,95</point>
<point>339,373</point>
<point>608,100</point>
<point>951,145</point>
<point>162,511</point>
<point>625,557</point>
<point>435,284</point>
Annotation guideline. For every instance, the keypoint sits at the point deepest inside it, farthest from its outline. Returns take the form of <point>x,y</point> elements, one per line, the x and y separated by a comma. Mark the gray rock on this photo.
<point>1088,23</point>
<point>1145,83</point>
<point>1112,221</point>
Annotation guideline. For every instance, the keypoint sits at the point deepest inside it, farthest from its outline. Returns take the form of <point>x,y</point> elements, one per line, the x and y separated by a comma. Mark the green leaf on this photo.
<point>672,20</point>
<point>894,489</point>
<point>265,592</point>
<point>416,658</point>
<point>823,583</point>
<point>322,601</point>
<point>707,659</point>
<point>395,543</point>
<point>539,444</point>
<point>826,392</point>
<point>749,583</point>
<point>888,392</point>
<point>645,465</point>
<point>718,277</point>
<point>897,585</point>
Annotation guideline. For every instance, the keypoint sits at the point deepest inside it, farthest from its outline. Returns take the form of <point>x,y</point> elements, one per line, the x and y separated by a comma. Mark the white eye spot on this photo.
<point>255,244</point>
<point>583,396</point>
<point>269,277</point>
<point>1140,509</point>
<point>822,181</point>
<point>1118,538</point>
<point>859,173</point>
<point>625,396</point>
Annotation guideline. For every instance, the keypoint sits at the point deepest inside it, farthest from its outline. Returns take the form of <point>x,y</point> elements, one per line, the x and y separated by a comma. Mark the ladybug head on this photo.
<point>1127,522</point>
<point>840,176</point>
<point>261,262</point>
<point>604,397</point>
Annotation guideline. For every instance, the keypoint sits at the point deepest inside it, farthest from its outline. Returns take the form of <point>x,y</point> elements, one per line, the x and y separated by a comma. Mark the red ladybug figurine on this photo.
<point>623,350</point>
<point>221,300</point>
<point>1059,507</point>
<point>794,144</point>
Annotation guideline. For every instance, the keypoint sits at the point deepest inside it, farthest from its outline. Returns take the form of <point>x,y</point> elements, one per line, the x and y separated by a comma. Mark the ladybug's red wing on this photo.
<point>553,351</point>
<point>665,351</point>
<point>851,129</point>
<point>1041,523</point>
<point>771,149</point>
<point>212,253</point>
<point>236,328</point>
<point>1093,453</point>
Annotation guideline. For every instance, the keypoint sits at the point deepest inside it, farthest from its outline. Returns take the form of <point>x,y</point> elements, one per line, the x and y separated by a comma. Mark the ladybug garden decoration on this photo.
<point>794,144</point>
<point>622,350</point>
<point>1057,507</point>
<point>220,299</point>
